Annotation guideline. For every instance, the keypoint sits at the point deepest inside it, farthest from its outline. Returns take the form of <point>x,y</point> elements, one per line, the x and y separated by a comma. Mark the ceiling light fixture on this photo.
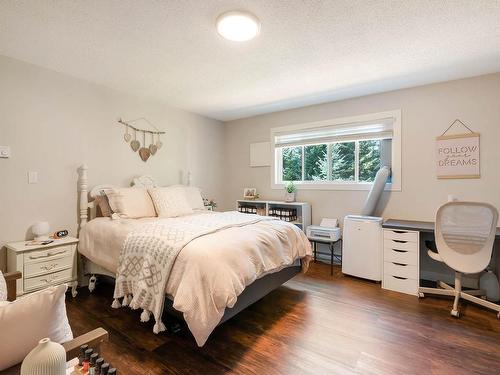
<point>238,26</point>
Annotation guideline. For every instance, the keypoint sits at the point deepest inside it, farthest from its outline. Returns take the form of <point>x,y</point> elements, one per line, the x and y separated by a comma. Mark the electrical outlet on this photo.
<point>32,177</point>
<point>4,151</point>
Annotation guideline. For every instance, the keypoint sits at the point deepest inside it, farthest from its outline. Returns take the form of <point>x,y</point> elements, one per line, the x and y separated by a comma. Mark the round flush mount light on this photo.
<point>238,26</point>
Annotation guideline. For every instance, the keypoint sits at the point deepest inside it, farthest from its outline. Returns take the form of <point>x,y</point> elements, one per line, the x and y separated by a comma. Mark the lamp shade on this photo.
<point>40,230</point>
<point>47,358</point>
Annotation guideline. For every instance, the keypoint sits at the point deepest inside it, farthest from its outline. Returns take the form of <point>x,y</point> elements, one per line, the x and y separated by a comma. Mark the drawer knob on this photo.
<point>49,254</point>
<point>49,267</point>
<point>48,281</point>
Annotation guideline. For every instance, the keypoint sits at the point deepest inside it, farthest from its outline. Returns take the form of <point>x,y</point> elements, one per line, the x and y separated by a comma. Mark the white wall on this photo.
<point>426,112</point>
<point>54,123</point>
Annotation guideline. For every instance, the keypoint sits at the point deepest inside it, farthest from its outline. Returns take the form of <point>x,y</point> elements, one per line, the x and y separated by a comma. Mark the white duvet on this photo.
<point>211,271</point>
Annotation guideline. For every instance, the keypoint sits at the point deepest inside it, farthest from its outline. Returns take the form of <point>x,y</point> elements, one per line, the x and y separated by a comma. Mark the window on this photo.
<point>338,154</point>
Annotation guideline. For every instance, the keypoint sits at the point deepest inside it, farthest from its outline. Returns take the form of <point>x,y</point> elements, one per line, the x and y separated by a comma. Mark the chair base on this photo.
<point>469,295</point>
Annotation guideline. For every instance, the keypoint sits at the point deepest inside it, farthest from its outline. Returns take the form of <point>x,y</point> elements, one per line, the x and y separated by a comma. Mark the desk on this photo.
<point>402,245</point>
<point>419,226</point>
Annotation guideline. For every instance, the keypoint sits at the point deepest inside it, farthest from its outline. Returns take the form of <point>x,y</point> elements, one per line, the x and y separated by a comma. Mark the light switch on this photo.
<point>4,151</point>
<point>32,177</point>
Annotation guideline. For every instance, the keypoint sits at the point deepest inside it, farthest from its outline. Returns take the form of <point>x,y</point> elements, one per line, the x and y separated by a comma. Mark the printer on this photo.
<point>328,230</point>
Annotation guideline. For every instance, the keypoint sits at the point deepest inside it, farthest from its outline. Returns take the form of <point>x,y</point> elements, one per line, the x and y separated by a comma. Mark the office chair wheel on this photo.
<point>455,313</point>
<point>421,295</point>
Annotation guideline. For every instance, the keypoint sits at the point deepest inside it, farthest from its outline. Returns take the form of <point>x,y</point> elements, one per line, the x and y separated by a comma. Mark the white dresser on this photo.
<point>401,261</point>
<point>43,265</point>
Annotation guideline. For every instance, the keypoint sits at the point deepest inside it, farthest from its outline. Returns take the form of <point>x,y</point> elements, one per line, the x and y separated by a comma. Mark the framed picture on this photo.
<point>457,156</point>
<point>250,193</point>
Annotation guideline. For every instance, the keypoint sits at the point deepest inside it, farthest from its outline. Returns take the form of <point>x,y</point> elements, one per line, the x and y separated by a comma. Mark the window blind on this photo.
<point>378,129</point>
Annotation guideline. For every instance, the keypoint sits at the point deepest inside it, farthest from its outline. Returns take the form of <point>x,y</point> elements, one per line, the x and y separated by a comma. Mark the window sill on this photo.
<point>336,186</point>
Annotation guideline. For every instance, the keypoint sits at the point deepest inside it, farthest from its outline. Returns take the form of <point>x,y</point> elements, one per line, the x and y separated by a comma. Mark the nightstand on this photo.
<point>43,265</point>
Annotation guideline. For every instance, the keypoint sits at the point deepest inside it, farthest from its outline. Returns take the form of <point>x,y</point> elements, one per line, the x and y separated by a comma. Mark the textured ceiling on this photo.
<point>308,52</point>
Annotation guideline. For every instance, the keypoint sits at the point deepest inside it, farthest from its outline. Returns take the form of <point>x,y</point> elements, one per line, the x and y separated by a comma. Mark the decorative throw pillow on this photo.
<point>29,319</point>
<point>131,202</point>
<point>170,201</point>
<point>3,288</point>
<point>193,196</point>
<point>102,203</point>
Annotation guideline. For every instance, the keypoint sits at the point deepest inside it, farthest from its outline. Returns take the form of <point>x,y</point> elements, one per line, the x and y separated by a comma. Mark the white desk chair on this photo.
<point>464,232</point>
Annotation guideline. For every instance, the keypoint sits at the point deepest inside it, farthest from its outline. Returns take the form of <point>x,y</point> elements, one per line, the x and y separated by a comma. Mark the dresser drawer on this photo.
<point>48,265</point>
<point>399,284</point>
<point>401,245</point>
<point>400,235</point>
<point>401,256</point>
<point>43,281</point>
<point>402,270</point>
<point>48,254</point>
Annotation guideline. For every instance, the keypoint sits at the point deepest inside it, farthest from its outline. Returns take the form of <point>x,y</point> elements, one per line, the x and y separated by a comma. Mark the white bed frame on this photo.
<point>88,211</point>
<point>252,293</point>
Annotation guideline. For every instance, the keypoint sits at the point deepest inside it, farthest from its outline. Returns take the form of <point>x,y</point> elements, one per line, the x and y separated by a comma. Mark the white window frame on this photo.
<point>395,185</point>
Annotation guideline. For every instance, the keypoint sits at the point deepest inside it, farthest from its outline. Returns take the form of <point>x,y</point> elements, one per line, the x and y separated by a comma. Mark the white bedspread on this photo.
<point>211,271</point>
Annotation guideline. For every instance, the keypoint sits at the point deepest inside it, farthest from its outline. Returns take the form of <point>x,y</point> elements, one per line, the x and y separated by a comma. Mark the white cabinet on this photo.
<point>298,213</point>
<point>43,265</point>
<point>401,261</point>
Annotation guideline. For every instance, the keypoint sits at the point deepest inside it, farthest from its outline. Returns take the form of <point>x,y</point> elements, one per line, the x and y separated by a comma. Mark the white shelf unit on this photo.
<point>264,207</point>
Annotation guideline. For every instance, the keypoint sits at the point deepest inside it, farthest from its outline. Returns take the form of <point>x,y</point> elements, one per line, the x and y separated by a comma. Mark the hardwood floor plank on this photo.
<point>314,324</point>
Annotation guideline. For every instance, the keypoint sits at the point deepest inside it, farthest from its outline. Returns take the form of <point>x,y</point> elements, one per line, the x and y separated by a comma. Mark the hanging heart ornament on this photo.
<point>158,142</point>
<point>127,137</point>
<point>152,147</point>
<point>144,153</point>
<point>135,143</point>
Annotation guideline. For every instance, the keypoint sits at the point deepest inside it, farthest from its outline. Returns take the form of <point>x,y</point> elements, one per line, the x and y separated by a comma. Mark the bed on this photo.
<point>214,276</point>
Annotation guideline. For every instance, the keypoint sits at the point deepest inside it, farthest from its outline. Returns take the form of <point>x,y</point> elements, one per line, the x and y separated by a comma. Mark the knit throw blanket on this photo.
<point>149,253</point>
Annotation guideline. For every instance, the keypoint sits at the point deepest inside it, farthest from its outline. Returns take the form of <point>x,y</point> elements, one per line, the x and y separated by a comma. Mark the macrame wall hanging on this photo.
<point>153,136</point>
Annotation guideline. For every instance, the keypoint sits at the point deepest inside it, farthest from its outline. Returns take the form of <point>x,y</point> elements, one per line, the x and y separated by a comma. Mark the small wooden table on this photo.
<point>331,246</point>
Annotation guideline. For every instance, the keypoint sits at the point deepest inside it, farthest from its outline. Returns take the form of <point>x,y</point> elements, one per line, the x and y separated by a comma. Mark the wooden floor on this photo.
<point>314,324</point>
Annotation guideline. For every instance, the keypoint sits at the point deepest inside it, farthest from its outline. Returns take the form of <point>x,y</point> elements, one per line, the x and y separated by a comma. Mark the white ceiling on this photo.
<point>308,52</point>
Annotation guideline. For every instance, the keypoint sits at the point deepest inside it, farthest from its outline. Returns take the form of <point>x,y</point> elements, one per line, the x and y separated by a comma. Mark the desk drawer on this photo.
<point>399,284</point>
<point>401,245</point>
<point>402,270</point>
<point>43,281</point>
<point>401,256</point>
<point>49,265</point>
<point>48,254</point>
<point>400,235</point>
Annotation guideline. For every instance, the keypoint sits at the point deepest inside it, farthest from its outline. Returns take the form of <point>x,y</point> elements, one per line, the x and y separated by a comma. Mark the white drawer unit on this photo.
<point>43,265</point>
<point>401,261</point>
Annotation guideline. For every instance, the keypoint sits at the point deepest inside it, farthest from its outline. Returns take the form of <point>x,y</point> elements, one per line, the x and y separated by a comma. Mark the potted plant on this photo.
<point>290,190</point>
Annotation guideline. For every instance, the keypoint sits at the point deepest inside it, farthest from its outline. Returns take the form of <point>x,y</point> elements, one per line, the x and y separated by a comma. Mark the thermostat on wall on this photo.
<point>4,151</point>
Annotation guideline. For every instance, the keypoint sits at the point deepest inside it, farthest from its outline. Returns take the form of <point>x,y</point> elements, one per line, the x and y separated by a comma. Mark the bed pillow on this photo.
<point>132,203</point>
<point>193,196</point>
<point>3,288</point>
<point>102,203</point>
<point>170,201</point>
<point>29,319</point>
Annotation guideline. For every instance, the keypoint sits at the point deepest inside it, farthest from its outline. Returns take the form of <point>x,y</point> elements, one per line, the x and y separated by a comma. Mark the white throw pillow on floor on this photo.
<point>29,319</point>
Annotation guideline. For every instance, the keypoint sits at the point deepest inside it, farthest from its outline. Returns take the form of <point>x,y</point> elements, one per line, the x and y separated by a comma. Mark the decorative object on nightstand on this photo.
<point>41,230</point>
<point>47,358</point>
<point>43,265</point>
<point>210,204</point>
<point>290,191</point>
